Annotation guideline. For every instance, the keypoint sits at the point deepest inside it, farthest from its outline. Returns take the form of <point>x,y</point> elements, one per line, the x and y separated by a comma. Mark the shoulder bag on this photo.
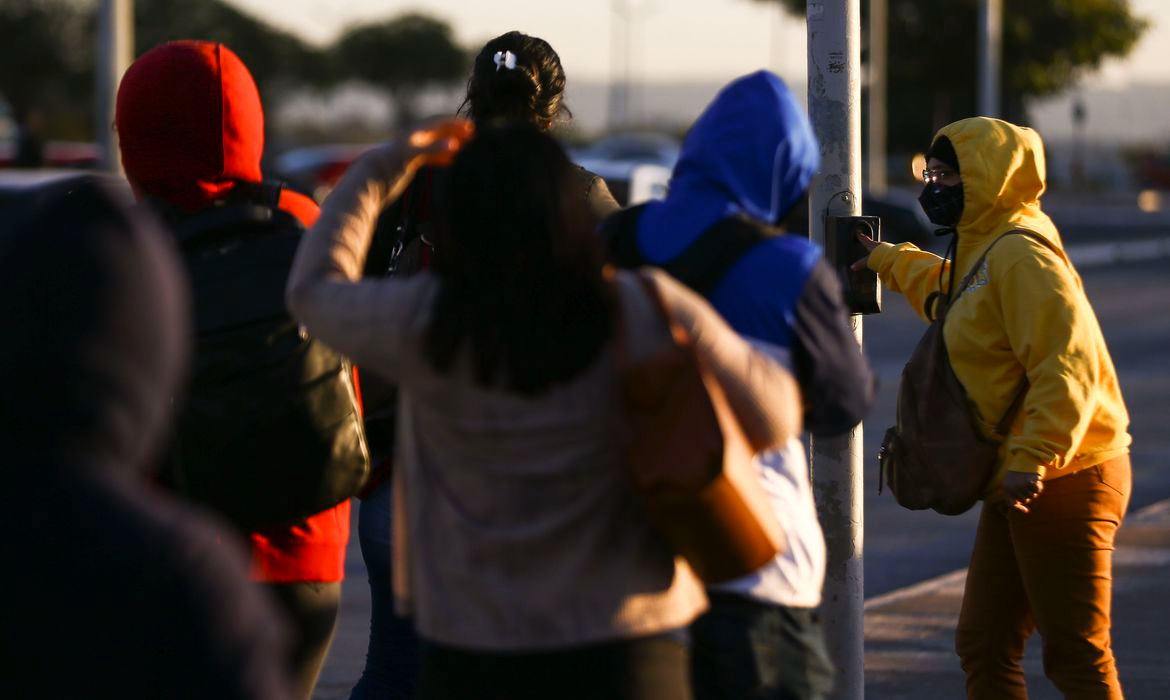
<point>690,462</point>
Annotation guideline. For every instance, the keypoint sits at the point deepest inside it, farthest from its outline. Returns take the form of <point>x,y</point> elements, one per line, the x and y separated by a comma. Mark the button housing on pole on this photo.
<point>861,288</point>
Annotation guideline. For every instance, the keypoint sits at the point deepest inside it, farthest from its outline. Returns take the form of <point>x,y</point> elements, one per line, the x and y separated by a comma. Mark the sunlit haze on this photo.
<point>672,39</point>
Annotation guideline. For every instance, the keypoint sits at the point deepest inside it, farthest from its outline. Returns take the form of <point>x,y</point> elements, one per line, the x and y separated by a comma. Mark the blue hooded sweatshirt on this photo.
<point>751,155</point>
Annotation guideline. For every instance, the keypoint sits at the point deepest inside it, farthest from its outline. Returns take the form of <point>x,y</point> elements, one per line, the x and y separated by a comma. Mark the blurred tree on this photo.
<point>44,55</point>
<point>275,58</point>
<point>402,56</point>
<point>47,50</point>
<point>1048,45</point>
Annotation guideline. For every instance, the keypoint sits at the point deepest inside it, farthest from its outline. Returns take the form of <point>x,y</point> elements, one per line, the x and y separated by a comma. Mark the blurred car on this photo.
<point>59,154</point>
<point>639,147</point>
<point>315,170</point>
<point>629,182</point>
<point>902,218</point>
<point>636,166</point>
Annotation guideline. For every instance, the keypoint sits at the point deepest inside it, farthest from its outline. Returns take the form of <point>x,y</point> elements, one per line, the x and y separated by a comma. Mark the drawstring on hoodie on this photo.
<point>938,297</point>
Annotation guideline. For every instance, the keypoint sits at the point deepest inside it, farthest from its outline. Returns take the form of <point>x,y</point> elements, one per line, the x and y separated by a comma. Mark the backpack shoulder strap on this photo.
<point>1005,423</point>
<point>265,194</point>
<point>251,208</point>
<point>970,276</point>
<point>965,282</point>
<point>704,262</point>
<point>199,230</point>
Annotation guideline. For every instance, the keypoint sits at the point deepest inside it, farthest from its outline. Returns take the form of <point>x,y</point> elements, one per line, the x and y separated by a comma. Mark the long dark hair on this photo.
<point>521,267</point>
<point>532,91</point>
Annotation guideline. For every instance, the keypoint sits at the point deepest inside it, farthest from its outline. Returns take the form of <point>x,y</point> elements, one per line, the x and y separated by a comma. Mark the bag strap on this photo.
<point>621,350</point>
<point>254,208</point>
<point>1005,423</point>
<point>416,218</point>
<point>402,229</point>
<point>970,276</point>
<point>703,264</point>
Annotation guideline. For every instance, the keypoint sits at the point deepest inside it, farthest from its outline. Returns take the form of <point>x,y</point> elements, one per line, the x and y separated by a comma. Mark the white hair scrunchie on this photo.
<point>504,59</point>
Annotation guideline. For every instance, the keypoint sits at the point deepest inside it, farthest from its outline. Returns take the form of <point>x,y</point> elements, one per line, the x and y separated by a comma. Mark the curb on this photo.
<point>1090,255</point>
<point>1123,556</point>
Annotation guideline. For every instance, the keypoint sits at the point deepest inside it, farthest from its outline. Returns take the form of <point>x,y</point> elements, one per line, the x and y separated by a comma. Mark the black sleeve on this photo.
<point>834,376</point>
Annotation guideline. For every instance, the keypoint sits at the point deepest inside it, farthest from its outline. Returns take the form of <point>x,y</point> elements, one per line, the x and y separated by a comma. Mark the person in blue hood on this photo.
<point>745,165</point>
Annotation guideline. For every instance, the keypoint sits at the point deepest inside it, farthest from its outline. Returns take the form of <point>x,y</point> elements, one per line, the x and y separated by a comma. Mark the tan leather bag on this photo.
<point>691,463</point>
<point>935,457</point>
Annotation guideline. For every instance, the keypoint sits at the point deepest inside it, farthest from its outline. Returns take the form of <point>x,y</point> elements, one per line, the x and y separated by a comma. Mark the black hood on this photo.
<point>95,318</point>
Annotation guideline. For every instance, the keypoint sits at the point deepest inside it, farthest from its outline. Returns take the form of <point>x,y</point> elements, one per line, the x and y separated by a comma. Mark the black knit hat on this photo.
<point>942,150</point>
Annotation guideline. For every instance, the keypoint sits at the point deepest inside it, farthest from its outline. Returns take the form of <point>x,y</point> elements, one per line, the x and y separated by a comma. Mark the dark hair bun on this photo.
<point>516,77</point>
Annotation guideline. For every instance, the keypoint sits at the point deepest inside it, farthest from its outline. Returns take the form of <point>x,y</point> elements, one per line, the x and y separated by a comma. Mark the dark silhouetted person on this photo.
<point>112,589</point>
<point>191,130</point>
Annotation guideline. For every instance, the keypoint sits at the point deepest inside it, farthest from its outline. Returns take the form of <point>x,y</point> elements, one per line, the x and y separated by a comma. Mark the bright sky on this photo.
<point>674,39</point>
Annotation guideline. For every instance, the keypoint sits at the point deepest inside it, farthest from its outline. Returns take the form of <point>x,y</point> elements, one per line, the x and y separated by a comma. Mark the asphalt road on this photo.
<point>1132,302</point>
<point>903,547</point>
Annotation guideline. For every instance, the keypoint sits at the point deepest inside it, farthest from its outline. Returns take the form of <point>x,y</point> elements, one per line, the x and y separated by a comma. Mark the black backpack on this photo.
<point>270,431</point>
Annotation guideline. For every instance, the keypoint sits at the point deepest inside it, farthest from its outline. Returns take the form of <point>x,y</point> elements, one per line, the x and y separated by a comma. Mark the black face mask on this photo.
<point>943,205</point>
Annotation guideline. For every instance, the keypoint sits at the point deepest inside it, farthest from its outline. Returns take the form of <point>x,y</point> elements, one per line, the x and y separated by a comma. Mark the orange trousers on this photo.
<point>1051,570</point>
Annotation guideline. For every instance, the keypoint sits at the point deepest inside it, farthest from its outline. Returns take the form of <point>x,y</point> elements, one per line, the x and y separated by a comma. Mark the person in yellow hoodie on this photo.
<point>1043,552</point>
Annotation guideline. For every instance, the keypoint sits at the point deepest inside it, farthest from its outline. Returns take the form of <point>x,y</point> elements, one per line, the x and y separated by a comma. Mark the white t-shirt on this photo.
<point>794,578</point>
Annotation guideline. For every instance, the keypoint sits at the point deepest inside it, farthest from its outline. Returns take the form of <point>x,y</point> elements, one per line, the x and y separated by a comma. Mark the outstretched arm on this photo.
<point>906,269</point>
<point>761,392</point>
<point>325,292</point>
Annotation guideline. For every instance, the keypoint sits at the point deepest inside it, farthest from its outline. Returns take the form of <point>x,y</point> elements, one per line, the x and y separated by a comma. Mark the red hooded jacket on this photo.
<point>191,128</point>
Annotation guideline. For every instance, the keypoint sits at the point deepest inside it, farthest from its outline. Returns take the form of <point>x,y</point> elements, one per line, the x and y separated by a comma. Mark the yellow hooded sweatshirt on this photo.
<point>1025,311</point>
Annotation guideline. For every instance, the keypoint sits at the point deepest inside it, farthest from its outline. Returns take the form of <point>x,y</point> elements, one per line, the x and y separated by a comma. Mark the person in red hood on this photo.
<point>191,128</point>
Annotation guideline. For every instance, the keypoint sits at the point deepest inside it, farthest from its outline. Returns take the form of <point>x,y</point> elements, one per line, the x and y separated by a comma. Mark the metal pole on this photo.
<point>834,100</point>
<point>878,60</point>
<point>990,51</point>
<point>115,50</point>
